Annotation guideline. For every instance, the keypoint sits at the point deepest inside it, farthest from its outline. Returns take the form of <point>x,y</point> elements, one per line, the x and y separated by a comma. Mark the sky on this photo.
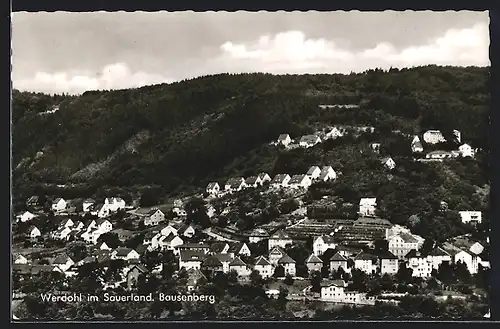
<point>65,52</point>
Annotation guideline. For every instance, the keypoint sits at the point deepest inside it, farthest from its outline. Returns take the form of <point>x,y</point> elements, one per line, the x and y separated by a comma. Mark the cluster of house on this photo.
<point>433,137</point>
<point>89,232</point>
<point>235,184</point>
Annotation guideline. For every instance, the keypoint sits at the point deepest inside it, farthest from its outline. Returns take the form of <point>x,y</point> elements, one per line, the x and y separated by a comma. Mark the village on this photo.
<point>336,248</point>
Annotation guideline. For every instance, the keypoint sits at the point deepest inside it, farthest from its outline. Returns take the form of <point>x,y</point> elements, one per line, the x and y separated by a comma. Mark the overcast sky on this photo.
<point>74,52</point>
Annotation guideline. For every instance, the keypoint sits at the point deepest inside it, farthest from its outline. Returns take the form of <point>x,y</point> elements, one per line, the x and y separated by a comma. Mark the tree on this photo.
<point>111,239</point>
<point>149,197</point>
<point>288,280</point>
<point>381,245</point>
<point>255,278</point>
<point>404,273</point>
<point>279,271</point>
<point>316,279</point>
<point>78,251</point>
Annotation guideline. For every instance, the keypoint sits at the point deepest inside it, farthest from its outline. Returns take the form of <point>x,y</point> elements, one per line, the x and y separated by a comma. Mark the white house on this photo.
<point>264,268</point>
<point>322,244</point>
<point>467,257</point>
<point>169,242</point>
<point>333,132</point>
<point>20,259</point>
<point>466,150</point>
<point>68,222</point>
<point>375,147</point>
<point>470,216</point>
<point>421,266</point>
<point>154,217</point>
<point>103,225</point>
<point>102,246</point>
<point>314,172</point>
<point>115,203</point>
<point>179,211</point>
<point>284,139</point>
<point>25,217</point>
<point>100,210</point>
<point>59,204</point>
<point>288,264</point>
<point>327,173</point>
<point>253,181</point>
<point>87,204</point>
<point>367,206</point>
<point>401,244</point>
<point>257,235</point>
<point>264,178</point>
<point>62,233</point>
<point>225,260</point>
<point>239,267</point>
<point>366,262</point>
<point>309,141</point>
<point>279,239</point>
<point>239,249</point>
<point>34,232</point>
<point>275,255</point>
<point>281,180</point>
<point>337,292</point>
<point>64,262</point>
<point>235,184</point>
<point>213,188</point>
<point>433,137</point>
<point>338,261</point>
<point>416,145</point>
<point>300,181</point>
<point>124,253</point>
<point>191,259</point>
<point>388,162</point>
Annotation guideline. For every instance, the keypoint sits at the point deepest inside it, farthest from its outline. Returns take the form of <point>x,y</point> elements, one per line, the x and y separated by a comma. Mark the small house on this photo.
<point>235,184</point>
<point>466,151</point>
<point>470,217</point>
<point>239,267</point>
<point>309,141</point>
<point>327,174</point>
<point>87,204</point>
<point>367,206</point>
<point>313,263</point>
<point>124,253</point>
<point>213,188</point>
<point>25,217</point>
<point>264,268</point>
<point>388,162</point>
<point>314,172</point>
<point>252,181</point>
<point>59,204</point>
<point>284,139</point>
<point>154,217</point>
<point>264,178</point>
<point>322,244</point>
<point>338,261</point>
<point>33,232</point>
<point>191,259</point>
<point>280,239</point>
<point>300,181</point>
<point>133,274</point>
<point>288,264</point>
<point>280,180</point>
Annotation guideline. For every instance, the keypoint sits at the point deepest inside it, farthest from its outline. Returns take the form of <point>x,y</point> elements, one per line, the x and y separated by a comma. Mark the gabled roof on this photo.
<point>169,238</point>
<point>262,261</point>
<point>309,139</point>
<point>57,200</point>
<point>191,255</point>
<point>140,267</point>
<point>153,211</point>
<point>280,178</point>
<point>386,255</point>
<point>438,251</point>
<point>237,262</point>
<point>283,137</point>
<point>212,185</point>
<point>236,247</point>
<point>212,261</point>
<point>312,169</point>
<point>407,238</point>
<point>277,250</point>
<point>297,179</point>
<point>338,257</point>
<point>33,198</point>
<point>235,182</point>
<point>313,259</point>
<point>217,247</point>
<point>280,235</point>
<point>367,201</point>
<point>286,260</point>
<point>336,283</point>
<point>365,256</point>
<point>123,251</point>
<point>262,175</point>
<point>251,180</point>
<point>224,258</point>
<point>61,259</point>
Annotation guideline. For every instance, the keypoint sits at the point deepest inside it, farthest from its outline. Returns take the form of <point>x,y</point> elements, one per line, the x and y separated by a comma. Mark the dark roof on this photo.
<point>312,169</point>
<point>407,238</point>
<point>279,178</point>
<point>122,251</point>
<point>235,182</point>
<point>212,185</point>
<point>313,259</point>
<point>338,257</point>
<point>217,247</point>
<point>237,262</point>
<point>386,255</point>
<point>212,261</point>
<point>337,283</point>
<point>262,261</point>
<point>61,259</point>
<point>309,139</point>
<point>285,259</point>
<point>224,258</point>
<point>438,251</point>
<point>280,235</point>
<point>278,249</point>
<point>296,179</point>
<point>365,256</point>
<point>153,211</point>
<point>57,200</point>
<point>191,255</point>
<point>251,180</point>
<point>283,136</point>
<point>32,269</point>
<point>235,247</point>
<point>194,246</point>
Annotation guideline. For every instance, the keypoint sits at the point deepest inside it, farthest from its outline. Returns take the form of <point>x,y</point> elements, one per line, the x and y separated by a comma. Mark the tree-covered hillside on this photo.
<point>182,135</point>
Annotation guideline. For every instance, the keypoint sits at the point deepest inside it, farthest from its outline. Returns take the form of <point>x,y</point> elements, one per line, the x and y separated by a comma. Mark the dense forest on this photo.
<point>180,136</point>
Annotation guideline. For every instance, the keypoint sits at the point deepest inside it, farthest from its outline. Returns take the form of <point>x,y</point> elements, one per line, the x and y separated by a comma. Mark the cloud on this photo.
<point>114,76</point>
<point>293,52</point>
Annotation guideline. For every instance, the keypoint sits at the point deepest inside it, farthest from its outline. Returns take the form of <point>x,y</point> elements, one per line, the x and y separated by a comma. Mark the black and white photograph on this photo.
<point>250,166</point>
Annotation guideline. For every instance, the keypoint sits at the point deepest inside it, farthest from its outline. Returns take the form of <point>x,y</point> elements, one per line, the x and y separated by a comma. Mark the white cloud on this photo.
<point>114,76</point>
<point>292,52</point>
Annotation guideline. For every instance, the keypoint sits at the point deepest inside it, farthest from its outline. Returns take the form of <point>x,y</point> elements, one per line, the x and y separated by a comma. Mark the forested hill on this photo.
<point>184,134</point>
